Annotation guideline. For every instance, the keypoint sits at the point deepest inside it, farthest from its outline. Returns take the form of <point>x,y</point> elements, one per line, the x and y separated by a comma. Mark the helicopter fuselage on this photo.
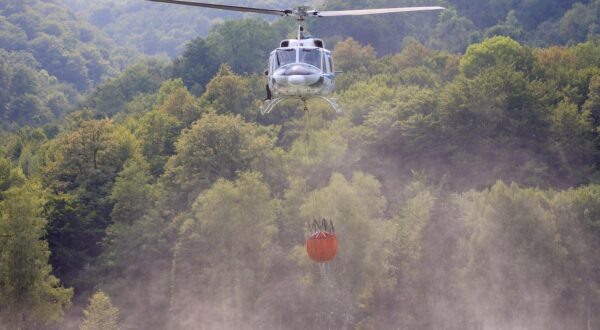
<point>301,69</point>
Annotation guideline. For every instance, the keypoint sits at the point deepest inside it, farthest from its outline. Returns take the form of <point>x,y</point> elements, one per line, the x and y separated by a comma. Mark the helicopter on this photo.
<point>300,68</point>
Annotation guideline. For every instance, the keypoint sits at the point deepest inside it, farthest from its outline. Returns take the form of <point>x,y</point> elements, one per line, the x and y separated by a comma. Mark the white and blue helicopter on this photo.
<point>301,68</point>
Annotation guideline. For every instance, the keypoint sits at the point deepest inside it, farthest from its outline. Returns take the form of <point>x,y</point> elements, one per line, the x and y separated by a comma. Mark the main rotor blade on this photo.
<point>373,11</point>
<point>226,7</point>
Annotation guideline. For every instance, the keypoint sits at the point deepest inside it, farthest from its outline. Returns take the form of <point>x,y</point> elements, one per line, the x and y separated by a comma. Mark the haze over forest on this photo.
<point>141,188</point>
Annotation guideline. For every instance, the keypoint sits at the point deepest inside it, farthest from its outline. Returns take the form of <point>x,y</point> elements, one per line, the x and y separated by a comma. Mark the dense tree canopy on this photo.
<point>154,28</point>
<point>461,177</point>
<point>47,58</point>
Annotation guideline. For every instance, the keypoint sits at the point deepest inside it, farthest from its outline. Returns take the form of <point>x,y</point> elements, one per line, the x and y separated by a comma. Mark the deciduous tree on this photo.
<point>101,314</point>
<point>233,223</point>
<point>30,296</point>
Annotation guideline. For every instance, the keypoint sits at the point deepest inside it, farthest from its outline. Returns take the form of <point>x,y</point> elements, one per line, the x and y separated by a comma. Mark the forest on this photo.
<point>141,188</point>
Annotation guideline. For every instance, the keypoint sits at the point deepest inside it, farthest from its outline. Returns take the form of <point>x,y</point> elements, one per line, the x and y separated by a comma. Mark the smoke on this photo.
<point>436,255</point>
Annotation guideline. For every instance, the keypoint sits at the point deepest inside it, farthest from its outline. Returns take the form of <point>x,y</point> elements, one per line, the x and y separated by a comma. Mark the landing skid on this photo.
<point>271,104</point>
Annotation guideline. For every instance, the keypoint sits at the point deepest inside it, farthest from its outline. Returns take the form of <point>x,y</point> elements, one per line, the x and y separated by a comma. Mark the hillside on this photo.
<point>157,28</point>
<point>48,58</point>
<point>462,176</point>
<point>536,23</point>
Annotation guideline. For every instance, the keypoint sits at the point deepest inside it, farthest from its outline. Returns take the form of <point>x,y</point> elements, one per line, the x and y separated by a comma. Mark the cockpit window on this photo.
<point>311,56</point>
<point>285,56</point>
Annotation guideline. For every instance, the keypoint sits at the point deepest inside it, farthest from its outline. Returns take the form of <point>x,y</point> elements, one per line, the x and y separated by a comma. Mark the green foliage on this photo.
<point>501,112</point>
<point>215,147</point>
<point>84,157</point>
<point>384,32</point>
<point>70,234</point>
<point>317,153</point>
<point>573,134</point>
<point>135,268</point>
<point>157,29</point>
<point>183,106</point>
<point>229,93</point>
<point>158,132</point>
<point>513,238</point>
<point>113,96</point>
<point>493,52</point>
<point>244,44</point>
<point>464,23</point>
<point>576,216</point>
<point>22,147</point>
<point>81,168</point>
<point>402,123</point>
<point>356,207</point>
<point>52,35</point>
<point>409,250</point>
<point>350,55</point>
<point>509,28</point>
<point>166,89</point>
<point>592,104</point>
<point>187,207</point>
<point>197,65</point>
<point>580,23</point>
<point>29,96</point>
<point>29,295</point>
<point>363,96</point>
<point>233,223</point>
<point>5,174</point>
<point>101,314</point>
<point>453,32</point>
<point>132,193</point>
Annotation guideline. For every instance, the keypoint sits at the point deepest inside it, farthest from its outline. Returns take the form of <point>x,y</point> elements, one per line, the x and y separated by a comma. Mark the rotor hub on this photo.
<point>301,12</point>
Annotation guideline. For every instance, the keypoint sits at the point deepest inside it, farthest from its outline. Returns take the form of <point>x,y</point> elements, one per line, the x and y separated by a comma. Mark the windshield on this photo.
<point>311,56</point>
<point>286,56</point>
